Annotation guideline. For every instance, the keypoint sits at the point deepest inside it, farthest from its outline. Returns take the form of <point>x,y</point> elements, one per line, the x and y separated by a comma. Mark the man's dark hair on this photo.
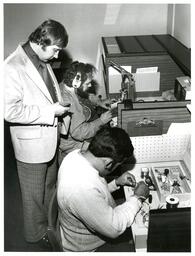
<point>50,32</point>
<point>85,69</point>
<point>112,142</point>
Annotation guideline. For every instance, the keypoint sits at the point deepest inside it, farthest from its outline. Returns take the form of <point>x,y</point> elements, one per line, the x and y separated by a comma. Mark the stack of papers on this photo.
<point>147,79</point>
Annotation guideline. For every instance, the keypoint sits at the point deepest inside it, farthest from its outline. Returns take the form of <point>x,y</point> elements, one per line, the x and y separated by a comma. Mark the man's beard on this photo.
<point>81,93</point>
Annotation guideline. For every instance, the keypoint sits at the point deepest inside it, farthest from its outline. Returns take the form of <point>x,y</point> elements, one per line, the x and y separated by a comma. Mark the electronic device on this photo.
<point>182,89</point>
<point>169,230</point>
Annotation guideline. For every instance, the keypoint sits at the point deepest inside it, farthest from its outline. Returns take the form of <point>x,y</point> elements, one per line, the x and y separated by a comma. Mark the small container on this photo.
<point>144,172</point>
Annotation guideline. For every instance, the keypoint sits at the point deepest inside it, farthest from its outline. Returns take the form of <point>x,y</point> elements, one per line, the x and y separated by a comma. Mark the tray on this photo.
<point>171,180</point>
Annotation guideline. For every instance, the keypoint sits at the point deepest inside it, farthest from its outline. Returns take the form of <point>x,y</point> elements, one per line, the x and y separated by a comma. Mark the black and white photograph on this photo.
<point>96,127</point>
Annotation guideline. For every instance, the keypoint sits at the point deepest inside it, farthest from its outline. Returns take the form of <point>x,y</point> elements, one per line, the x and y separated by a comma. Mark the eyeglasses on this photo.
<point>112,165</point>
<point>115,165</point>
<point>108,166</point>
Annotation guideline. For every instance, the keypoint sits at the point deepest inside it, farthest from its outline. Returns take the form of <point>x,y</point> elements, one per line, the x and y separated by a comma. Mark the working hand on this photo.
<point>106,117</point>
<point>99,102</point>
<point>104,103</point>
<point>126,179</point>
<point>59,109</point>
<point>141,191</point>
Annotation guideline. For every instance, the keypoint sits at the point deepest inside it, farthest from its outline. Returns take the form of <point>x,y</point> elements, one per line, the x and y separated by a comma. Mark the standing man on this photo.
<point>32,106</point>
<point>88,214</point>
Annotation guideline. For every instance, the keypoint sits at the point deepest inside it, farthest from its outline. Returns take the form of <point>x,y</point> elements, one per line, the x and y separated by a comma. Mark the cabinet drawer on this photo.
<point>144,122</point>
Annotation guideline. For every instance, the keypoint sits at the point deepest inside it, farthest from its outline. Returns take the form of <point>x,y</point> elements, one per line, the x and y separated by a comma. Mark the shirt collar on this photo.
<point>32,55</point>
<point>92,169</point>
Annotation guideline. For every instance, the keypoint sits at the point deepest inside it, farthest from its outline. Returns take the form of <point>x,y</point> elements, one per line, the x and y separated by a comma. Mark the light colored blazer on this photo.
<point>28,107</point>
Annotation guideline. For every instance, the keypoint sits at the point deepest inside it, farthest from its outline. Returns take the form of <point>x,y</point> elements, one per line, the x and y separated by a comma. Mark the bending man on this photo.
<point>87,211</point>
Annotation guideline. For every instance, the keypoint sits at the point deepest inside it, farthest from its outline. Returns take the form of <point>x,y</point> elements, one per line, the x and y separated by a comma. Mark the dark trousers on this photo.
<point>37,182</point>
<point>61,155</point>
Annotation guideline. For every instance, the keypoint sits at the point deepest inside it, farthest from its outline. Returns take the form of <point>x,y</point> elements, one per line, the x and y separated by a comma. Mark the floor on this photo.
<point>13,216</point>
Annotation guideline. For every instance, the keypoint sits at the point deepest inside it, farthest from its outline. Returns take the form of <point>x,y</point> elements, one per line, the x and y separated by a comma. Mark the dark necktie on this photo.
<point>48,81</point>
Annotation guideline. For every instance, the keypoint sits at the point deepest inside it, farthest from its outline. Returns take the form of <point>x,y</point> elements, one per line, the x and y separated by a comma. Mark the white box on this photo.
<point>145,82</point>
